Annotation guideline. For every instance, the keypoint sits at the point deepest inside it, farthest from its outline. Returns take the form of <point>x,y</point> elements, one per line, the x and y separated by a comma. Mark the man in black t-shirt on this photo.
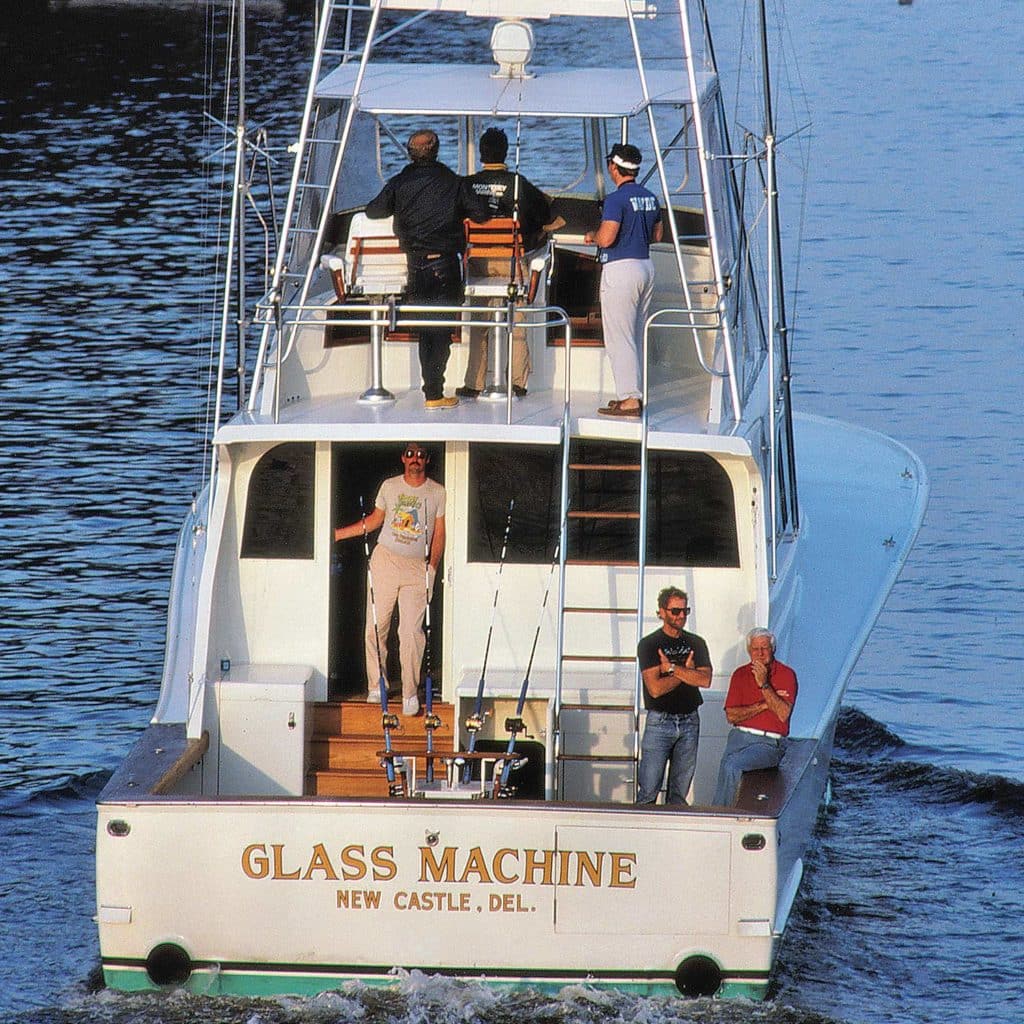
<point>674,665</point>
<point>508,194</point>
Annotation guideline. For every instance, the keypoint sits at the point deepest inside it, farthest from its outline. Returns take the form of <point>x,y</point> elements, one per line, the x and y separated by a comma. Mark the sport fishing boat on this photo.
<point>272,830</point>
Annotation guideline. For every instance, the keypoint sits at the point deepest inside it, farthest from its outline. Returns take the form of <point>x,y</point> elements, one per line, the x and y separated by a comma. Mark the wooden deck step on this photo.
<point>347,736</point>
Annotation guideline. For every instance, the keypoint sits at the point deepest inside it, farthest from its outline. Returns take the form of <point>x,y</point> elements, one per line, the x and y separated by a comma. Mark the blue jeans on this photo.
<point>672,740</point>
<point>744,752</point>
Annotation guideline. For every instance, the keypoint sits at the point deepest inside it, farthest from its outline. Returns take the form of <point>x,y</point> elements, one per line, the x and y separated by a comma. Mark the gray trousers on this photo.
<point>627,287</point>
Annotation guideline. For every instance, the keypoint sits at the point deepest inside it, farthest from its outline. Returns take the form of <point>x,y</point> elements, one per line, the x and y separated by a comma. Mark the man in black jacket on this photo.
<point>429,202</point>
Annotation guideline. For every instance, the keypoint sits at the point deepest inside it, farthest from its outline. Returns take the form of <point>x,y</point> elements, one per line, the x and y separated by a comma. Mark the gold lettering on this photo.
<point>384,866</point>
<point>353,867</point>
<point>586,865</point>
<point>255,866</point>
<point>497,868</point>
<point>564,860</point>
<point>475,865</point>
<point>538,860</point>
<point>279,871</point>
<point>320,861</point>
<point>622,871</point>
<point>439,872</point>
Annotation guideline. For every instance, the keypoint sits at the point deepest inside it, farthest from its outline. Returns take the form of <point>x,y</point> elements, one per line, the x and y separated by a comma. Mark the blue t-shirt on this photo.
<point>637,211</point>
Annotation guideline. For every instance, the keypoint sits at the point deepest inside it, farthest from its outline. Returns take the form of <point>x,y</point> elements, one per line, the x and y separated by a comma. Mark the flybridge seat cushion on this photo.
<point>371,262</point>
<point>497,246</point>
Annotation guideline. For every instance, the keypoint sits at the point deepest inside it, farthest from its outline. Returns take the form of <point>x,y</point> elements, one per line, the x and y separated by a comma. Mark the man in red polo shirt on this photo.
<point>760,700</point>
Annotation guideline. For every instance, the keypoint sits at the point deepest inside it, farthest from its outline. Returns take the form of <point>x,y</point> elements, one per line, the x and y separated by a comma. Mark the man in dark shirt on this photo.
<point>429,202</point>
<point>507,194</point>
<point>674,665</point>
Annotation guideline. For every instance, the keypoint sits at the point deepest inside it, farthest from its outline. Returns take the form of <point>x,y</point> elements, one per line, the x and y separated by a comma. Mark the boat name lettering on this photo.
<point>353,863</point>
<point>451,865</point>
<point>509,866</point>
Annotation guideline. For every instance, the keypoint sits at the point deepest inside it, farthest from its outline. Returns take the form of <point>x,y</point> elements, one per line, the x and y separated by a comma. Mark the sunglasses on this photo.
<point>415,453</point>
<point>678,611</point>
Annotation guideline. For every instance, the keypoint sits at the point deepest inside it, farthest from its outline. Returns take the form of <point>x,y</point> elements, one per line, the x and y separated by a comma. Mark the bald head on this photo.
<point>422,147</point>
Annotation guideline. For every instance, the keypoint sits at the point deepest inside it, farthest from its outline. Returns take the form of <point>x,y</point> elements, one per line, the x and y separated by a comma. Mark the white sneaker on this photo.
<point>411,706</point>
<point>373,697</point>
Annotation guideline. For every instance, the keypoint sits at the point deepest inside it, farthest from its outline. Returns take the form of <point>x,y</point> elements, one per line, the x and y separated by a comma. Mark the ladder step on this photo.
<point>599,657</point>
<point>604,515</point>
<point>607,758</point>
<point>600,611</point>
<point>606,467</point>
<point>602,561</point>
<point>597,707</point>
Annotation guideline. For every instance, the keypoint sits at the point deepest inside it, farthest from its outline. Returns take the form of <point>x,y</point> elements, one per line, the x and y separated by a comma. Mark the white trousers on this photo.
<point>627,287</point>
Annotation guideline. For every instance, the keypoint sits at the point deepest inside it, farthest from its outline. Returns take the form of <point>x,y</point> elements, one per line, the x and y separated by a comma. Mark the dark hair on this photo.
<point>493,146</point>
<point>422,146</point>
<point>668,593</point>
<point>624,153</point>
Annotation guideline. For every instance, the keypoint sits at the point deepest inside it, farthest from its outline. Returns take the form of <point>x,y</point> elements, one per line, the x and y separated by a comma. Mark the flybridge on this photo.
<point>529,8</point>
<point>553,92</point>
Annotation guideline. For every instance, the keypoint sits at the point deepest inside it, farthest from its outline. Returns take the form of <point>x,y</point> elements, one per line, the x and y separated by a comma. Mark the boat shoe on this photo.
<point>441,403</point>
<point>614,408</point>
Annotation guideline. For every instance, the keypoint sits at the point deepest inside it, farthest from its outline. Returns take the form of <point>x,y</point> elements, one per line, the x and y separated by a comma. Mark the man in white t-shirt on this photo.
<point>409,509</point>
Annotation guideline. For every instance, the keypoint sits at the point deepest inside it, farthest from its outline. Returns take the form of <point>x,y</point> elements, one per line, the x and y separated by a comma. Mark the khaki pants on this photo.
<point>479,337</point>
<point>397,581</point>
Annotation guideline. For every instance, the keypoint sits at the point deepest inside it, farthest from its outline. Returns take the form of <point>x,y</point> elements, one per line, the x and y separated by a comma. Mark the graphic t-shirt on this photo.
<point>409,515</point>
<point>684,698</point>
<point>637,210</point>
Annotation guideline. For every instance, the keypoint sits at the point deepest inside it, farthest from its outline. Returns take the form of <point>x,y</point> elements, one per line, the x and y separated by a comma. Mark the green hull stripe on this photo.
<point>274,981</point>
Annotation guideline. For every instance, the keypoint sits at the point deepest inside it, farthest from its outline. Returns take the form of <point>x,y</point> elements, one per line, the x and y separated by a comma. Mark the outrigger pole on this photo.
<point>430,721</point>
<point>388,720</point>
<point>476,720</point>
<point>515,725</point>
<point>775,284</point>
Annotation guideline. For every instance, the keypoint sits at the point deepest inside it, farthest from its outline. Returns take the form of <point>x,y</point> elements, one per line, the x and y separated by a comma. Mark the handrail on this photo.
<point>403,315</point>
<point>716,324</point>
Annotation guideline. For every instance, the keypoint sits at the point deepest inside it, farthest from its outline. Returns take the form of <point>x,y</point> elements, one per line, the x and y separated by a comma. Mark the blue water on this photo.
<point>907,320</point>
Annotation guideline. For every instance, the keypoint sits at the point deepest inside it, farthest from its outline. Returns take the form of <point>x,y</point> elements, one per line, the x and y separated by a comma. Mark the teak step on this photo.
<point>604,515</point>
<point>347,736</point>
<point>362,718</point>
<point>349,783</point>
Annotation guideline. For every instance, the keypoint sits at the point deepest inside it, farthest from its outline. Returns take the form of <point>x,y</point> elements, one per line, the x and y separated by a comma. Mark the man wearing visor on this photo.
<point>630,222</point>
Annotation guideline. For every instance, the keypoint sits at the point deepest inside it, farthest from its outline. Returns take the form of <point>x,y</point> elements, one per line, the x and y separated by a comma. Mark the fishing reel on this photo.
<point>474,723</point>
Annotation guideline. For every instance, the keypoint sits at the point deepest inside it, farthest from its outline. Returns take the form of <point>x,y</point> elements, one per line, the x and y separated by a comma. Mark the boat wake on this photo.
<point>868,753</point>
<point>419,999</point>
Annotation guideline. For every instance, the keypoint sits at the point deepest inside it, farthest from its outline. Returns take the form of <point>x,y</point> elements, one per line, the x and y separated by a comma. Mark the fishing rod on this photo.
<point>430,720</point>
<point>515,725</point>
<point>388,720</point>
<point>476,720</point>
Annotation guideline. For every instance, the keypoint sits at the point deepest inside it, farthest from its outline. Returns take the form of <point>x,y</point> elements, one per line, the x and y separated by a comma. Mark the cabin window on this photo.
<point>499,473</point>
<point>279,506</point>
<point>692,514</point>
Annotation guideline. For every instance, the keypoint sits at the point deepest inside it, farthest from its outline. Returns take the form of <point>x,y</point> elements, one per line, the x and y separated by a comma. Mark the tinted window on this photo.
<point>279,506</point>
<point>692,516</point>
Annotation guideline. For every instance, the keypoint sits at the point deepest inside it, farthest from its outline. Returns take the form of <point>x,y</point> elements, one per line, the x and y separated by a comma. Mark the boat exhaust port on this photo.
<point>698,976</point>
<point>168,965</point>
